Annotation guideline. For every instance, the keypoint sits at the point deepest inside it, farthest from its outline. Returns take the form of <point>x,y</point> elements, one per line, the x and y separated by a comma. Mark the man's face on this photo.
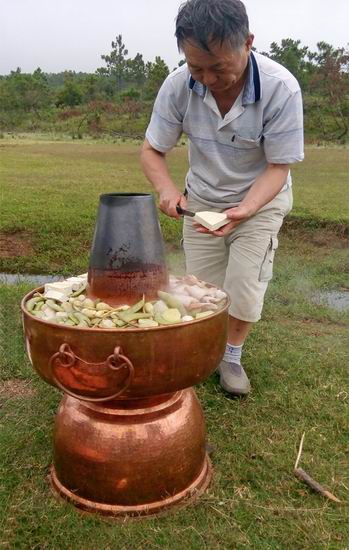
<point>221,68</point>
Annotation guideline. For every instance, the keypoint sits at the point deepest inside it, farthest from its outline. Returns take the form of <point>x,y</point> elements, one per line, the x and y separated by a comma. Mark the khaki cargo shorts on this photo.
<point>242,262</point>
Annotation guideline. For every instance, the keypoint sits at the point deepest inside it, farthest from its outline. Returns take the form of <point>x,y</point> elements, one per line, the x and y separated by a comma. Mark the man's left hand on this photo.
<point>236,215</point>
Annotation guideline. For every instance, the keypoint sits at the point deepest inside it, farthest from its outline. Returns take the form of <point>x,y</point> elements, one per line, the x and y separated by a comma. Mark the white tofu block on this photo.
<point>76,282</point>
<point>211,220</point>
<point>59,286</point>
<point>56,295</point>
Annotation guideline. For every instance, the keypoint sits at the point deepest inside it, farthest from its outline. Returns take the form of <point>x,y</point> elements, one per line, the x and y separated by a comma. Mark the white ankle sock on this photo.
<point>233,354</point>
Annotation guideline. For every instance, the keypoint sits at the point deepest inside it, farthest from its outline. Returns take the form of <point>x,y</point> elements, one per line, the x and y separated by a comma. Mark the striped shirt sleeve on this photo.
<point>283,133</point>
<point>165,127</point>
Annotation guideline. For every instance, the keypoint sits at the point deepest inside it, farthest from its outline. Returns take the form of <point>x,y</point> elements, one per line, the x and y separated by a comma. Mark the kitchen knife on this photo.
<point>182,212</point>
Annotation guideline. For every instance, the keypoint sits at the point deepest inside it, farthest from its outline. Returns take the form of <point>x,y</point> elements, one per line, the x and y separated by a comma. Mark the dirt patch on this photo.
<point>10,389</point>
<point>320,232</point>
<point>15,244</point>
<point>319,237</point>
<point>313,327</point>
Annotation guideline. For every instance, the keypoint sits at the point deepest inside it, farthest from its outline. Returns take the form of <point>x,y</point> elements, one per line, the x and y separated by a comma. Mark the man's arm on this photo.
<point>156,170</point>
<point>265,189</point>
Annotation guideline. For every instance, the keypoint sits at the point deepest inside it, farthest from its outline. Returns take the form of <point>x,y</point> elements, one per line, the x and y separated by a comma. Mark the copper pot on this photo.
<point>103,363</point>
<point>130,457</point>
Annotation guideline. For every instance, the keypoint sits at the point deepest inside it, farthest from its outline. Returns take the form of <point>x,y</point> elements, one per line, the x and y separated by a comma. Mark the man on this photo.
<point>242,113</point>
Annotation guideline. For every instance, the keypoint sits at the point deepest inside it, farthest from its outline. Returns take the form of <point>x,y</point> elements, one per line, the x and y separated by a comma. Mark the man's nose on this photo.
<point>209,79</point>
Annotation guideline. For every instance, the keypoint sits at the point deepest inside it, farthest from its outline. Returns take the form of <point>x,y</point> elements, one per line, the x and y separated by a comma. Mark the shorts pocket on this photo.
<point>266,271</point>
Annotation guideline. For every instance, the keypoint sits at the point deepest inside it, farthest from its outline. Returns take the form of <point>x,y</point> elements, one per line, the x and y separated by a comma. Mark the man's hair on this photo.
<point>208,21</point>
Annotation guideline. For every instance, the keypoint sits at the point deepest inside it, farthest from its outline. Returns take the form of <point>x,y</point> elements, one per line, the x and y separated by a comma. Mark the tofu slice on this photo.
<point>211,220</point>
<point>66,287</point>
<point>56,295</point>
<point>59,286</point>
<point>77,282</point>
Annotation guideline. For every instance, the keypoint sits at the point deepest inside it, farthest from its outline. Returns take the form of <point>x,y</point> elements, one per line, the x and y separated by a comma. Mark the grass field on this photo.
<point>296,358</point>
<point>49,196</point>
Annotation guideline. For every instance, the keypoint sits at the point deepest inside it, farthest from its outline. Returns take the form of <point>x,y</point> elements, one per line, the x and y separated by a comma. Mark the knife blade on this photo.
<point>183,212</point>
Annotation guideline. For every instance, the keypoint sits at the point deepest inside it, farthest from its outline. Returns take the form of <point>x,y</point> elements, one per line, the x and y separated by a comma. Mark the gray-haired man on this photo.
<point>242,113</point>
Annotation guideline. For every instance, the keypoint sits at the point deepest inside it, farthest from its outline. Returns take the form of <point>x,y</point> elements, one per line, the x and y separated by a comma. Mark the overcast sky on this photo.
<point>73,34</point>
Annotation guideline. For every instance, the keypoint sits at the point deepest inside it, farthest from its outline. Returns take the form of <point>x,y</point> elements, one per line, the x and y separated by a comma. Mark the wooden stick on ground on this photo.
<point>303,476</point>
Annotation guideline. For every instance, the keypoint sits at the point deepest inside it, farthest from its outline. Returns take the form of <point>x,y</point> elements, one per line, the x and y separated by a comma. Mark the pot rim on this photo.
<point>119,330</point>
<point>125,195</point>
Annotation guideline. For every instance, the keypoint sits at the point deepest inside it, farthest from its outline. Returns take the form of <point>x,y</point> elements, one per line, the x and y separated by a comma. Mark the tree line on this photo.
<point>117,98</point>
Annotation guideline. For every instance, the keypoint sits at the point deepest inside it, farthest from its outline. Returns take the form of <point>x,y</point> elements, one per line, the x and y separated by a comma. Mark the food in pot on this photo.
<point>186,299</point>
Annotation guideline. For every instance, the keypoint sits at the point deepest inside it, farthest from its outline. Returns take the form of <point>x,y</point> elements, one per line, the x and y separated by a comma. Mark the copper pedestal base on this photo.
<point>130,457</point>
<point>188,496</point>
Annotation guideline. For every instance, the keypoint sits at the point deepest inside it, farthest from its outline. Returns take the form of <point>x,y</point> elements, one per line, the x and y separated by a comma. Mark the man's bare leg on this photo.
<point>237,331</point>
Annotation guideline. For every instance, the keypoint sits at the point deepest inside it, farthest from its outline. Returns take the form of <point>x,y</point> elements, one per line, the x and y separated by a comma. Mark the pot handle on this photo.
<point>65,357</point>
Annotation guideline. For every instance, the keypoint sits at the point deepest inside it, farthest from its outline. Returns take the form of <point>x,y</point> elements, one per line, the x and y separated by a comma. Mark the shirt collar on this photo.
<point>197,87</point>
<point>252,89</point>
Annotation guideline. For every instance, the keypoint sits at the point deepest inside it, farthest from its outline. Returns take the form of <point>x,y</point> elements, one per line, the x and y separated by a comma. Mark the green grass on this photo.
<point>321,187</point>
<point>296,358</point>
<point>49,190</point>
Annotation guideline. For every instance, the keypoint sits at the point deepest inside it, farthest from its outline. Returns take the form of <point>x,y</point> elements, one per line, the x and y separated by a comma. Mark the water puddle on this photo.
<point>335,299</point>
<point>37,280</point>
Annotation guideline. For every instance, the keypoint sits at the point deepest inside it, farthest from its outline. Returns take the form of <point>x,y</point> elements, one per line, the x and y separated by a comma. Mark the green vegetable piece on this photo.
<point>103,306</point>
<point>119,323</point>
<point>95,322</point>
<point>172,302</point>
<point>128,317</point>
<point>53,305</point>
<point>31,303</point>
<point>203,314</point>
<point>147,323</point>
<point>172,315</point>
<point>66,306</point>
<point>38,314</point>
<point>136,307</point>
<point>106,323</point>
<point>149,308</point>
<point>80,291</point>
<point>82,318</point>
<point>160,319</point>
<point>74,319</point>
<point>90,313</point>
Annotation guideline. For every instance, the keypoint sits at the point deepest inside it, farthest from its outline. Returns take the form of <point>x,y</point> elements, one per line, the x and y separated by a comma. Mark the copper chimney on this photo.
<point>127,256</point>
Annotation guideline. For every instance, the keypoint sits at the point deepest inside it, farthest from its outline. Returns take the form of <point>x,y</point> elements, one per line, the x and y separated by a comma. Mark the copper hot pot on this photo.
<point>125,363</point>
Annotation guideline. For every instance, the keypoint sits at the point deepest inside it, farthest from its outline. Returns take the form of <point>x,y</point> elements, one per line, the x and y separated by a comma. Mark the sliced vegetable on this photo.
<point>203,314</point>
<point>147,323</point>
<point>172,302</point>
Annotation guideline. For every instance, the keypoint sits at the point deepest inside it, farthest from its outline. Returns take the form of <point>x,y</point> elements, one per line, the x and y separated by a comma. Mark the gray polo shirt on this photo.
<point>226,155</point>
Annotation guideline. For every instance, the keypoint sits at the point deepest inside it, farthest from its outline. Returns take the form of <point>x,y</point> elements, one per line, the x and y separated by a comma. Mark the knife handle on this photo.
<point>179,210</point>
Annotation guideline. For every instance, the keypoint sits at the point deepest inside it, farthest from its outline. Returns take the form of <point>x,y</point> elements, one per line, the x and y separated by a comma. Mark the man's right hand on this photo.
<point>169,199</point>
<point>155,168</point>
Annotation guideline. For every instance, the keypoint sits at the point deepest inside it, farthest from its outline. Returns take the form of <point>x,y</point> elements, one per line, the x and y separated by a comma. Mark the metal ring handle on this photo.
<point>68,359</point>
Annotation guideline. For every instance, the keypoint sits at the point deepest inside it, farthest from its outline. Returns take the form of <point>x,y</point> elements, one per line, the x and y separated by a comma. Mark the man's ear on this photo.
<point>249,42</point>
